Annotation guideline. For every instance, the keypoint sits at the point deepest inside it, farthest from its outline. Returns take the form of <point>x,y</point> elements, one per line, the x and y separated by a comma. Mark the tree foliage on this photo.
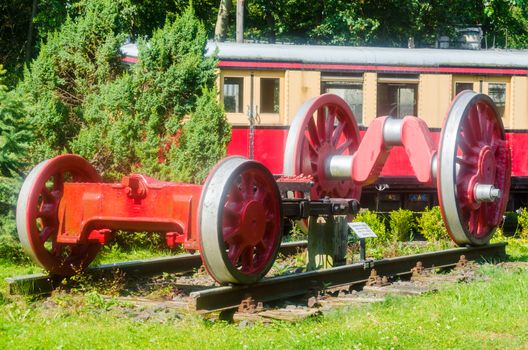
<point>85,102</point>
<point>15,136</point>
<point>386,23</point>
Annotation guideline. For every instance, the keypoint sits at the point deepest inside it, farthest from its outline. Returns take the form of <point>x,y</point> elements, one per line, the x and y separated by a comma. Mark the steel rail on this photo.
<point>41,283</point>
<point>282,287</point>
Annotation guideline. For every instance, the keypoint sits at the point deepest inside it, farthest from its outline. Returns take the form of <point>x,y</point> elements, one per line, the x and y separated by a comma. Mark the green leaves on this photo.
<point>14,133</point>
<point>84,101</point>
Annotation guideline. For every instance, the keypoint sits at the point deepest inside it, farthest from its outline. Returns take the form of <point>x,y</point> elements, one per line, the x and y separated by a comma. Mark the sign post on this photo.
<point>362,231</point>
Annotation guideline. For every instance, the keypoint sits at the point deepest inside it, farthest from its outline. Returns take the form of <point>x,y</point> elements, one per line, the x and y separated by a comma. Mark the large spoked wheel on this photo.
<point>37,214</point>
<point>474,168</point>
<point>240,219</point>
<point>323,127</point>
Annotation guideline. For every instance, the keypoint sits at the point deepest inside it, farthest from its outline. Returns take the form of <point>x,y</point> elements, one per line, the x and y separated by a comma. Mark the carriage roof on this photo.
<point>228,51</point>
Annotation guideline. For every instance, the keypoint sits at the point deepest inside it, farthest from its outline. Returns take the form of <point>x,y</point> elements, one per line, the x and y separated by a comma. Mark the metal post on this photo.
<point>251,117</point>
<point>240,21</point>
<point>362,249</point>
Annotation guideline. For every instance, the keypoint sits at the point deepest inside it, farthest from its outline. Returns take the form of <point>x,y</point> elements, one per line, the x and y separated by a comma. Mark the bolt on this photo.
<point>486,193</point>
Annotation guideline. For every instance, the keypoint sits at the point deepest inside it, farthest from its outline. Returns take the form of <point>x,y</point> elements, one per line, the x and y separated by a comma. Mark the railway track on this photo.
<point>226,299</point>
<point>283,287</point>
<point>41,283</point>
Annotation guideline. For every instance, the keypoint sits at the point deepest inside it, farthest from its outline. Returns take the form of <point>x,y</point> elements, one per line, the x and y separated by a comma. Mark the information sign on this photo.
<point>361,229</point>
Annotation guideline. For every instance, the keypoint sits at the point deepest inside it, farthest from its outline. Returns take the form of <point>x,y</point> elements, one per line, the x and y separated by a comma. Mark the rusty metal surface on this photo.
<point>282,287</point>
<point>40,283</point>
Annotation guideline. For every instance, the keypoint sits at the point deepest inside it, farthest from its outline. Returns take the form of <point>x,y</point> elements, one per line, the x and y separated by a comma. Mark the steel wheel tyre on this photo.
<point>473,150</point>
<point>240,219</point>
<point>323,127</point>
<point>37,214</point>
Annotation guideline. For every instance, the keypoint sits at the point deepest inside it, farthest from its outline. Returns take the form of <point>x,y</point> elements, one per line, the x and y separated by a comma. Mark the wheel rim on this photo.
<point>240,221</point>
<point>473,150</point>
<point>37,214</point>
<point>323,127</point>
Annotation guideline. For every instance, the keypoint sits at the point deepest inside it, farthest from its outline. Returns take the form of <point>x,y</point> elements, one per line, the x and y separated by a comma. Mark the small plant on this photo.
<point>431,225</point>
<point>297,233</point>
<point>522,228</point>
<point>375,223</point>
<point>402,224</point>
<point>129,240</point>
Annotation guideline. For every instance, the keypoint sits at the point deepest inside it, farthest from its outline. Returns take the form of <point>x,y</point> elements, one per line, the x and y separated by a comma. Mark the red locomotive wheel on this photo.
<point>240,219</point>
<point>474,169</point>
<point>37,214</point>
<point>323,127</point>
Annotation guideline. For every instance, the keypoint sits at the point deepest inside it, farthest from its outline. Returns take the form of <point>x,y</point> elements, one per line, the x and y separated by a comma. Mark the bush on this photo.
<point>15,136</point>
<point>144,120</point>
<point>402,224</point>
<point>522,228</point>
<point>431,225</point>
<point>375,223</point>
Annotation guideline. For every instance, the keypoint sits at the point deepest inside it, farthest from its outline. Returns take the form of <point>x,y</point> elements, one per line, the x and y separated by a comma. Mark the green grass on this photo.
<point>480,315</point>
<point>489,314</point>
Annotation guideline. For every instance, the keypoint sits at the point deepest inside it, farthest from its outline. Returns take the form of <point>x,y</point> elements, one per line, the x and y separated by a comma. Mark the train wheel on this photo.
<point>323,127</point>
<point>37,214</point>
<point>474,167</point>
<point>240,219</point>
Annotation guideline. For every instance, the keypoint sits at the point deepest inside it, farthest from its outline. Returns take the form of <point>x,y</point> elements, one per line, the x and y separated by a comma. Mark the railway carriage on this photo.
<point>263,86</point>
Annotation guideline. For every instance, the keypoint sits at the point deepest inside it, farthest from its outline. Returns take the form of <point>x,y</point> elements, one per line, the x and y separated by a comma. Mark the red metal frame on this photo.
<point>88,211</point>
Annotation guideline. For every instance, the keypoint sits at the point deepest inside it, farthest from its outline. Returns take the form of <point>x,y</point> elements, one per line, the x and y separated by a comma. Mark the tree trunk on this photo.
<point>29,43</point>
<point>222,20</point>
<point>270,20</point>
<point>240,21</point>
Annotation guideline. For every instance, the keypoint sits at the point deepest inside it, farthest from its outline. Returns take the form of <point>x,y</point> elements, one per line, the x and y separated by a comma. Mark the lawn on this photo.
<point>487,314</point>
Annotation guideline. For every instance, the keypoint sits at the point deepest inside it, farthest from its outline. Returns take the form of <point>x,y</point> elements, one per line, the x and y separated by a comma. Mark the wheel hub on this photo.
<point>253,224</point>
<point>486,169</point>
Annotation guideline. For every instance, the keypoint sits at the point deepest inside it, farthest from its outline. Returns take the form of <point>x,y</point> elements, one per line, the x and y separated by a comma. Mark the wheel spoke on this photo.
<point>343,146</point>
<point>473,120</point>
<point>247,259</point>
<point>230,233</point>
<point>312,131</point>
<point>329,126</point>
<point>58,182</point>
<point>46,233</point>
<point>336,135</point>
<point>246,185</point>
<point>482,220</point>
<point>235,195</point>
<point>262,196</point>
<point>466,161</point>
<point>232,209</point>
<point>321,123</point>
<point>46,194</point>
<point>484,122</point>
<point>235,250</point>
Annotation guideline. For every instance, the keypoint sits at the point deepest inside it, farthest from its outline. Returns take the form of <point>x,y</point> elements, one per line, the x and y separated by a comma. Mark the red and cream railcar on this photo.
<point>263,86</point>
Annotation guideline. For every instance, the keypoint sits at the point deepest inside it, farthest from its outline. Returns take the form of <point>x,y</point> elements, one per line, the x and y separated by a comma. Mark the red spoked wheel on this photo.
<point>240,219</point>
<point>474,169</point>
<point>37,214</point>
<point>323,127</point>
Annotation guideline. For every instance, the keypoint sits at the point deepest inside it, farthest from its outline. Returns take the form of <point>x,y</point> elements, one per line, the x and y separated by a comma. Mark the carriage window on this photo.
<point>459,87</point>
<point>233,91</point>
<point>269,95</point>
<point>352,93</point>
<point>397,99</point>
<point>497,92</point>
